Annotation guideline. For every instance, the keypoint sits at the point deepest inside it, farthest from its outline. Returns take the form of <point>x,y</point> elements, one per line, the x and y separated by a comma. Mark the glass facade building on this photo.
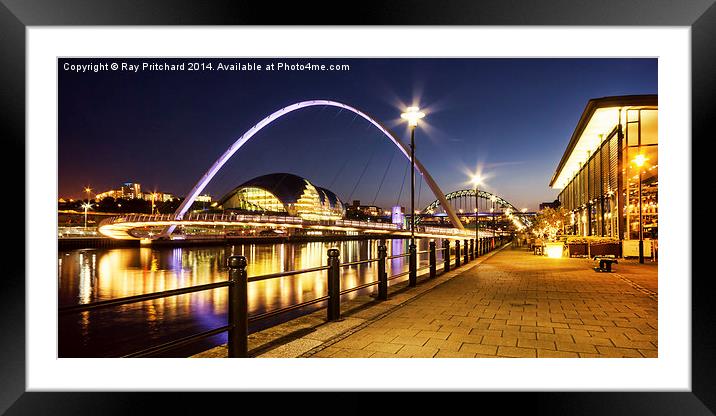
<point>599,176</point>
<point>284,193</point>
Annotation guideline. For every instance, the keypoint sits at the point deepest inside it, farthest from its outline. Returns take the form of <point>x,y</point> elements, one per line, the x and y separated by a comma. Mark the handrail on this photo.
<point>395,276</point>
<point>141,298</point>
<point>354,263</point>
<point>397,256</point>
<point>288,273</point>
<point>177,342</point>
<point>359,287</point>
<point>287,309</point>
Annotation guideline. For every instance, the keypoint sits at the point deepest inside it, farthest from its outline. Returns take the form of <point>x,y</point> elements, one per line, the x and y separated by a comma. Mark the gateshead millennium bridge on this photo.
<point>164,226</point>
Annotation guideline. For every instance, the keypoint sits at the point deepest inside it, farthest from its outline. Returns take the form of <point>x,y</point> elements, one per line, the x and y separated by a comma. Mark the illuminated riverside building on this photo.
<point>133,190</point>
<point>598,176</point>
<point>128,190</point>
<point>284,193</point>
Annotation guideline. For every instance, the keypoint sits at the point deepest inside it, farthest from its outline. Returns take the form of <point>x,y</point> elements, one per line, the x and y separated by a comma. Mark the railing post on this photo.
<point>457,253</point>
<point>413,266</point>
<point>467,254</point>
<point>238,308</point>
<point>472,249</point>
<point>382,274</point>
<point>446,255</point>
<point>334,285</point>
<point>433,260</point>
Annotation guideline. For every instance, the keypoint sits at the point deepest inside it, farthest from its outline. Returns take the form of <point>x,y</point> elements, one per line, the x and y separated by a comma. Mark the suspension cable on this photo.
<point>420,188</point>
<point>392,155</point>
<point>365,167</point>
<point>403,184</point>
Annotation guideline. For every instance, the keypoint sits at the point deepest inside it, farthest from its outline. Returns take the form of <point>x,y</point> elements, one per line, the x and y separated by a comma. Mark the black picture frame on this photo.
<point>16,15</point>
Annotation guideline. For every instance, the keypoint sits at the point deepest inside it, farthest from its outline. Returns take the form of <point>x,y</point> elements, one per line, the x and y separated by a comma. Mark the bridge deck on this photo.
<point>121,226</point>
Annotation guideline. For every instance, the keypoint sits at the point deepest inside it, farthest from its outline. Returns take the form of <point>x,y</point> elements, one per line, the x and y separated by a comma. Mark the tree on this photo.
<point>549,222</point>
<point>107,204</point>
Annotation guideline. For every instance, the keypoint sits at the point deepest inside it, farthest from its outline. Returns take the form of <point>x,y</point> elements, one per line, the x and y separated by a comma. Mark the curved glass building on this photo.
<point>284,193</point>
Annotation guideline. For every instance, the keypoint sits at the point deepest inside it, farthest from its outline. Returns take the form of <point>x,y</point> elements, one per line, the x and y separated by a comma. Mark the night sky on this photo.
<point>163,129</point>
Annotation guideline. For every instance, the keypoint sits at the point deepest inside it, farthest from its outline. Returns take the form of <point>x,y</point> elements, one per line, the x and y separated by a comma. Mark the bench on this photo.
<point>605,263</point>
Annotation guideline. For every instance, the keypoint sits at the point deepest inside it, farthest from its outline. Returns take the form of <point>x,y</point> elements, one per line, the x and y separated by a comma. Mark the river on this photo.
<point>89,275</point>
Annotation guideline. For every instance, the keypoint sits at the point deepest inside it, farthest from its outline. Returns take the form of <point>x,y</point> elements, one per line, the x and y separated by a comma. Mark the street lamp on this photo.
<point>88,190</point>
<point>86,206</point>
<point>412,114</point>
<point>639,162</point>
<point>154,197</point>
<point>477,181</point>
<point>492,210</point>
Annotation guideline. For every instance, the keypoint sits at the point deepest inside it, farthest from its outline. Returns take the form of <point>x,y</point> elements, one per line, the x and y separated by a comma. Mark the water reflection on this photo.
<point>91,275</point>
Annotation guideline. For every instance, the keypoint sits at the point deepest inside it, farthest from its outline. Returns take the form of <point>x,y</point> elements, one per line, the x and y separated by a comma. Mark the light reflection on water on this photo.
<point>98,274</point>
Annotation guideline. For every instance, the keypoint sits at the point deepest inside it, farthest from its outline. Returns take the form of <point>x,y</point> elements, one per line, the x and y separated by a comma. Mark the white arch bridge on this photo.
<point>163,226</point>
<point>198,226</point>
<point>214,169</point>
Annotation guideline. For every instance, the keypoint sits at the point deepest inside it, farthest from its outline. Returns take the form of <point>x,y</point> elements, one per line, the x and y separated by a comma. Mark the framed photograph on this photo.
<point>200,183</point>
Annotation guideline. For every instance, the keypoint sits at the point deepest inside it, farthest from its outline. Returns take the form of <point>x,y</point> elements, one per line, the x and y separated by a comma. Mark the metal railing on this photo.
<point>237,284</point>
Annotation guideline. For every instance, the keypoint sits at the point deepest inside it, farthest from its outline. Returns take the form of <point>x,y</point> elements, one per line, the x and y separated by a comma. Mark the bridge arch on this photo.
<point>206,178</point>
<point>469,193</point>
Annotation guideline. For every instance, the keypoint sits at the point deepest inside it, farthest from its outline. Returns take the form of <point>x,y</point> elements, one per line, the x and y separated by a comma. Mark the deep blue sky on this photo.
<point>164,129</point>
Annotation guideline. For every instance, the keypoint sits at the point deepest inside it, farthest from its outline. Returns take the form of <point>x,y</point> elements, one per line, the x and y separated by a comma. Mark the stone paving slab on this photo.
<point>307,335</point>
<point>516,304</point>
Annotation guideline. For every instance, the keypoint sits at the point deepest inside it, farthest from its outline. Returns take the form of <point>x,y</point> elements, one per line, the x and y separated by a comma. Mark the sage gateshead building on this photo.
<point>609,170</point>
<point>284,194</point>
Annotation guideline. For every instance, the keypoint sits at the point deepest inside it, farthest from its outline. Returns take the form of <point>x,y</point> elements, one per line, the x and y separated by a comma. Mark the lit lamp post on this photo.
<point>86,206</point>
<point>639,162</point>
<point>412,114</point>
<point>492,211</point>
<point>477,181</point>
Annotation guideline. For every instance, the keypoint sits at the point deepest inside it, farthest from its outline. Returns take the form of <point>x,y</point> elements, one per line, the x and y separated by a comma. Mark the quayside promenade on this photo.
<point>510,303</point>
<point>516,304</point>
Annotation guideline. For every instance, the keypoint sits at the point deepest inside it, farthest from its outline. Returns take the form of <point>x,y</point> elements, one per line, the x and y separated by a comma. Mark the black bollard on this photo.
<point>334,285</point>
<point>457,253</point>
<point>433,259</point>
<point>413,266</point>
<point>382,274</point>
<point>238,308</point>
<point>446,255</point>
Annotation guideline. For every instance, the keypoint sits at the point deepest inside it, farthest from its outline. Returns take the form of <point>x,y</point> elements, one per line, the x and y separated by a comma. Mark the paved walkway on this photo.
<point>516,304</point>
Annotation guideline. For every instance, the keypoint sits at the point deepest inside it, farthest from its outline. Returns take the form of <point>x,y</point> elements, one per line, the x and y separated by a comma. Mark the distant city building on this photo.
<point>554,205</point>
<point>133,190</point>
<point>157,196</point>
<point>128,190</point>
<point>284,193</point>
<point>203,198</point>
<point>366,210</point>
<point>398,215</point>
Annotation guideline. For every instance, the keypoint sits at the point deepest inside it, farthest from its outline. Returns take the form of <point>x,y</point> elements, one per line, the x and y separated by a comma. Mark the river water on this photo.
<point>89,275</point>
